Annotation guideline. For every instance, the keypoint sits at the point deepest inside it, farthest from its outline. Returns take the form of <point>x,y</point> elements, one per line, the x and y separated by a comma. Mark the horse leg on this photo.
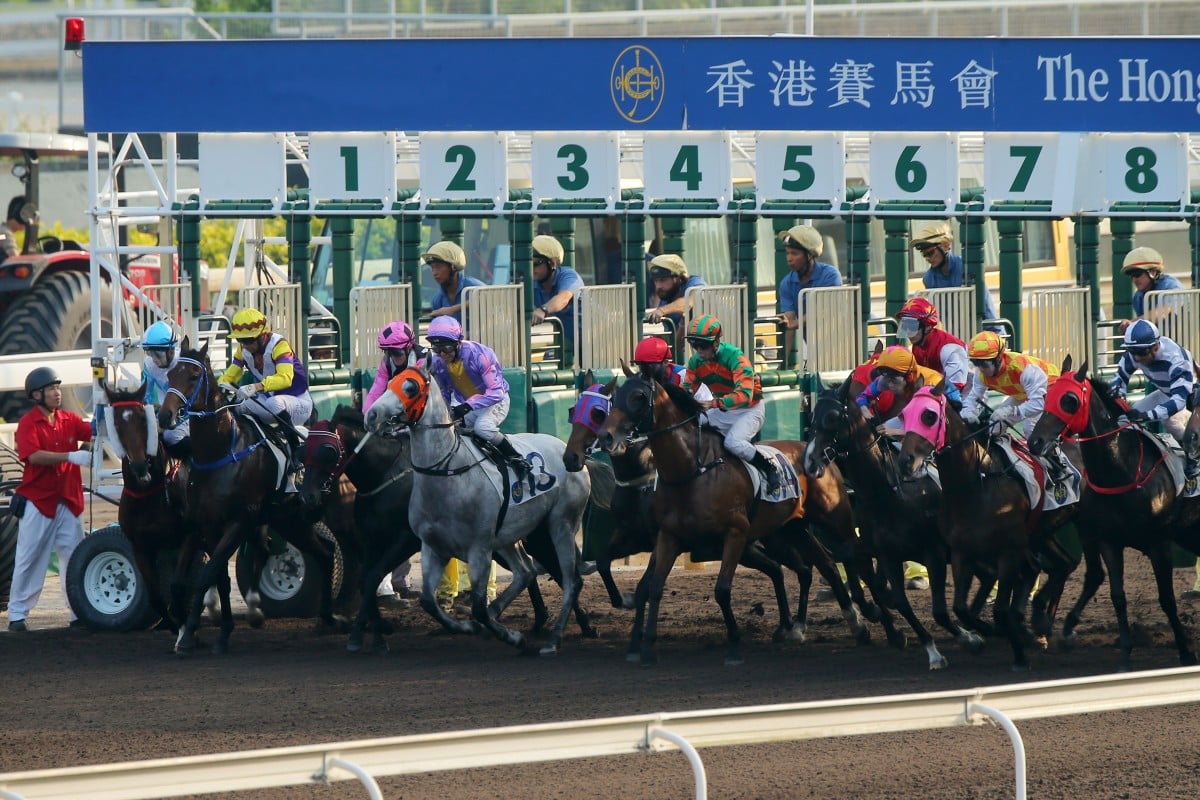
<point>479,560</point>
<point>666,550</point>
<point>1005,612</point>
<point>433,564</point>
<point>617,548</point>
<point>755,558</point>
<point>935,562</point>
<point>224,587</point>
<point>1114,559</point>
<point>1160,559</point>
<point>1093,576</point>
<point>368,610</point>
<point>146,559</point>
<point>816,554</point>
<point>962,588</point>
<point>540,547</point>
<point>641,596</point>
<point>210,575</point>
<point>1059,564</point>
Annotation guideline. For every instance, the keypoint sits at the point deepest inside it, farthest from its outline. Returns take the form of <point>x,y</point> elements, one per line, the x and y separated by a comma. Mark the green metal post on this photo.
<point>563,229</point>
<point>1194,240</point>
<point>633,255</point>
<point>408,251</point>
<point>520,236</point>
<point>341,230</point>
<point>970,231</point>
<point>895,263</point>
<point>673,229</point>
<point>1122,229</point>
<point>1087,258</point>
<point>745,256</point>
<point>298,229</point>
<point>188,230</point>
<point>1012,249</point>
<point>858,253</point>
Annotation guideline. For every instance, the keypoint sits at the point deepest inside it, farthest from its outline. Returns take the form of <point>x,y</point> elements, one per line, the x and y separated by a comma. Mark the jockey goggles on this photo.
<point>443,345</point>
<point>701,344</point>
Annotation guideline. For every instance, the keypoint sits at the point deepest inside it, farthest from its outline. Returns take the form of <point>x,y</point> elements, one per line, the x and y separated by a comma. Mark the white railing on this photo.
<point>688,730</point>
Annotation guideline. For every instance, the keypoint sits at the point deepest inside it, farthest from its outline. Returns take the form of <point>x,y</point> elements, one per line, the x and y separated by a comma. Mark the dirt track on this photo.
<point>81,698</point>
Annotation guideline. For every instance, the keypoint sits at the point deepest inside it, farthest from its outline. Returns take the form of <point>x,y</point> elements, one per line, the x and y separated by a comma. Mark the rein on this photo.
<point>1139,480</point>
<point>233,455</point>
<point>701,469</point>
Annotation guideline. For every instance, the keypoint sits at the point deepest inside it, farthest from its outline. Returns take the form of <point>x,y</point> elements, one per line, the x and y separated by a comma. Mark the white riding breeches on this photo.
<point>265,407</point>
<point>37,535</point>
<point>486,422</point>
<point>739,427</point>
<point>1175,424</point>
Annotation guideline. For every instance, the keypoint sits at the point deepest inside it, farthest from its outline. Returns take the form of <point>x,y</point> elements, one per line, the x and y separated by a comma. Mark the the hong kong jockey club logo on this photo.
<point>637,84</point>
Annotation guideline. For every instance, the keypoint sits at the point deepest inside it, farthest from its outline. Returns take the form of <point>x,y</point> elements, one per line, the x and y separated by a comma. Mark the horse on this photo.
<point>986,516</point>
<point>150,511</point>
<point>897,516</point>
<point>464,505</point>
<point>697,501</point>
<point>636,529</point>
<point>380,468</point>
<point>234,490</point>
<point>1128,499</point>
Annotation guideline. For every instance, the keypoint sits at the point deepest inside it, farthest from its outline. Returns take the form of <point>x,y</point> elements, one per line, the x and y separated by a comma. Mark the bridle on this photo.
<point>644,423</point>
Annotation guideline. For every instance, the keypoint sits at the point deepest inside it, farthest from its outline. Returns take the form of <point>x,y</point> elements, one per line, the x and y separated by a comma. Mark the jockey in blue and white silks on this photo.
<point>1167,366</point>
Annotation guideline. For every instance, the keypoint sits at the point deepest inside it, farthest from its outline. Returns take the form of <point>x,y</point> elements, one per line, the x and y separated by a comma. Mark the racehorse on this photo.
<point>635,529</point>
<point>234,490</point>
<point>381,470</point>
<point>150,512</point>
<point>466,506</point>
<point>698,501</point>
<point>1128,498</point>
<point>897,516</point>
<point>987,517</point>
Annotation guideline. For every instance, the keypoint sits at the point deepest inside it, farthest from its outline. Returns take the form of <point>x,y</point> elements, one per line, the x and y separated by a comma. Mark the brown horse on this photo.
<point>234,491</point>
<point>1128,500</point>
<point>704,494</point>
<point>151,508</point>
<point>986,517</point>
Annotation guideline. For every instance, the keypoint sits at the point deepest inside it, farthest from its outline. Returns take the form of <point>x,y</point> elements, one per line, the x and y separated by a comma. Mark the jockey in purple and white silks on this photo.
<point>473,386</point>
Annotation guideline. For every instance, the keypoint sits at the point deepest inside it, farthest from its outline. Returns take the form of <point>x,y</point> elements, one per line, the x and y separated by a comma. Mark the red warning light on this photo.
<point>73,33</point>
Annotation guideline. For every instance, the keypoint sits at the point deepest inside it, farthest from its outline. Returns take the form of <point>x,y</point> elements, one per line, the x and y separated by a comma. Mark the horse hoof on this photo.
<point>220,649</point>
<point>897,640</point>
<point>626,602</point>
<point>862,636</point>
<point>548,651</point>
<point>734,661</point>
<point>255,618</point>
<point>649,660</point>
<point>633,658</point>
<point>355,643</point>
<point>1188,660</point>
<point>1017,667</point>
<point>1067,641</point>
<point>380,648</point>
<point>938,663</point>
<point>872,612</point>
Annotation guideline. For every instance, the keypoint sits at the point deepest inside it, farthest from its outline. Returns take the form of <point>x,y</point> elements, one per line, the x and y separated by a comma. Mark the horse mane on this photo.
<point>137,395</point>
<point>1100,389</point>
<point>682,398</point>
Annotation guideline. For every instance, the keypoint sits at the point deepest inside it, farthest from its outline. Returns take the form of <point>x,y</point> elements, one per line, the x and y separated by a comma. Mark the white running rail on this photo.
<point>689,730</point>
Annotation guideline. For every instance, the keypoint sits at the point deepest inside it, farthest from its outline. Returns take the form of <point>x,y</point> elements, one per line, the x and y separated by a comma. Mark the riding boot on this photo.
<point>515,460</point>
<point>770,474</point>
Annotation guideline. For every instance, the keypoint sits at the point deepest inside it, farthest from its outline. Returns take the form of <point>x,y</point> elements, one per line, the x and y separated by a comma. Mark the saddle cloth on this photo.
<point>283,479</point>
<point>791,485</point>
<point>1037,482</point>
<point>1184,486</point>
<point>539,480</point>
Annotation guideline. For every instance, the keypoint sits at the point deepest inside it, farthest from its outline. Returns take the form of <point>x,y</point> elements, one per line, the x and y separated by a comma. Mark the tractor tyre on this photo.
<point>289,585</point>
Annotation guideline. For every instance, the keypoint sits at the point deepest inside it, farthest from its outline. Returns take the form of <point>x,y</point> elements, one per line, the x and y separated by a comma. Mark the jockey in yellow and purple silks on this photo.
<point>280,386</point>
<point>736,409</point>
<point>896,370</point>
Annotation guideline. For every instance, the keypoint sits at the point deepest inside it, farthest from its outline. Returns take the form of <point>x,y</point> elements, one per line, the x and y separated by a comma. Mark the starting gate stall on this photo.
<point>956,309</point>
<point>1177,315</point>
<point>493,315</point>
<point>372,307</point>
<point>1057,324</point>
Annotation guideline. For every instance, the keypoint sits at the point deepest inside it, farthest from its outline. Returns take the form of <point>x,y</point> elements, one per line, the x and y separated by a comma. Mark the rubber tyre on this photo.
<point>104,587</point>
<point>288,585</point>
<point>8,542</point>
<point>53,316</point>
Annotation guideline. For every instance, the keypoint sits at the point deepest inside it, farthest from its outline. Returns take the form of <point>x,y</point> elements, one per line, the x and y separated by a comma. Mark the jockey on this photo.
<point>473,386</point>
<point>932,346</point>
<point>1168,367</point>
<point>737,393</point>
<point>653,358</point>
<point>160,346</point>
<point>280,389</point>
<point>1022,378</point>
<point>400,347</point>
<point>895,371</point>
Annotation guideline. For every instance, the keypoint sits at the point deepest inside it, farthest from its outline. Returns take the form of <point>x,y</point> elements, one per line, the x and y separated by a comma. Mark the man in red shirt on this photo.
<point>52,487</point>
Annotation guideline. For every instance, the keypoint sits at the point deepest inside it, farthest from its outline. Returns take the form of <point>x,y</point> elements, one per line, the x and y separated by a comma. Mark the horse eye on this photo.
<point>1070,403</point>
<point>597,415</point>
<point>929,418</point>
<point>326,456</point>
<point>409,387</point>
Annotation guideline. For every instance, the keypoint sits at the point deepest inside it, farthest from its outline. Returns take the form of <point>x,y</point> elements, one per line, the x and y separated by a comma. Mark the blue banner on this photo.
<point>710,83</point>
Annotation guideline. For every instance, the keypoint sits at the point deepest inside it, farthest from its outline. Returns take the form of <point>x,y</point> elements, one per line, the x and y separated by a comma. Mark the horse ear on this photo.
<point>878,347</point>
<point>938,390</point>
<point>609,387</point>
<point>843,391</point>
<point>204,350</point>
<point>920,381</point>
<point>1066,365</point>
<point>1081,373</point>
<point>186,344</point>
<point>589,378</point>
<point>625,368</point>
<point>140,395</point>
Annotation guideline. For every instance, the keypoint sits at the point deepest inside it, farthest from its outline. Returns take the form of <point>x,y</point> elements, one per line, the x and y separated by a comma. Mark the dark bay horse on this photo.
<point>380,468</point>
<point>704,494</point>
<point>636,529</point>
<point>897,514</point>
<point>234,491</point>
<point>986,517</point>
<point>1128,499</point>
<point>151,508</point>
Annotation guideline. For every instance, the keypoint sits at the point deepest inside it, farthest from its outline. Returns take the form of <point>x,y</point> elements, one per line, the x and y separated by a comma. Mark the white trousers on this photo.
<point>36,537</point>
<point>739,427</point>
<point>486,422</point>
<point>263,406</point>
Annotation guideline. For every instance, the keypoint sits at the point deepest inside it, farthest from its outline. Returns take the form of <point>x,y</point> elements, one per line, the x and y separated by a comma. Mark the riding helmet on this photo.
<point>1143,258</point>
<point>652,350</point>
<point>706,327</point>
<point>548,247</point>
<point>396,335</point>
<point>920,309</point>
<point>1141,335</point>
<point>40,378</point>
<point>249,323</point>
<point>897,359</point>
<point>159,336</point>
<point>804,237</point>
<point>932,235</point>
<point>985,345</point>
<point>668,265</point>
<point>445,327</point>
<point>446,251</point>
